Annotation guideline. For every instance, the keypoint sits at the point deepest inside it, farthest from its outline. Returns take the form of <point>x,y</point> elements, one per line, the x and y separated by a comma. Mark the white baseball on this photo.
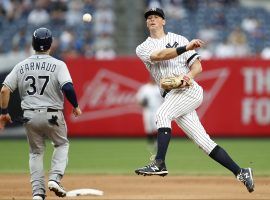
<point>87,17</point>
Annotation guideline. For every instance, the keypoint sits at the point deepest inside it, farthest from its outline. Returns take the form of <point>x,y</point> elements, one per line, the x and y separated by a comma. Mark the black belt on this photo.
<point>48,109</point>
<point>165,92</point>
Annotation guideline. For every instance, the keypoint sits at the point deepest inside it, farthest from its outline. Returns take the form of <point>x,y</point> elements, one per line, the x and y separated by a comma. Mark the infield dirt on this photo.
<point>133,187</point>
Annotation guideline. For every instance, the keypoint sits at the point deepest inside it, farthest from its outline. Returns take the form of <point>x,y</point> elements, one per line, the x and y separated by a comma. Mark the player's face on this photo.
<point>154,22</point>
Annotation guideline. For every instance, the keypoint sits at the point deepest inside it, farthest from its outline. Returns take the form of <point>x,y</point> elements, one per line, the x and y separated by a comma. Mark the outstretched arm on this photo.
<point>170,53</point>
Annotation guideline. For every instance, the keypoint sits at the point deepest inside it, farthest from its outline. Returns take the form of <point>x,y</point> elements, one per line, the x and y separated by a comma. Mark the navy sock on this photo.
<point>221,156</point>
<point>163,140</point>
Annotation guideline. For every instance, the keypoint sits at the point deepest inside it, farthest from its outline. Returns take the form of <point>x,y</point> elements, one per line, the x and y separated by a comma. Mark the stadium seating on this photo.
<point>223,18</point>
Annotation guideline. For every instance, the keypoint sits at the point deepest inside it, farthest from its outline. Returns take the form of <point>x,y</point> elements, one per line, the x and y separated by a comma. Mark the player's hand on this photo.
<point>4,119</point>
<point>77,111</point>
<point>186,82</point>
<point>195,43</point>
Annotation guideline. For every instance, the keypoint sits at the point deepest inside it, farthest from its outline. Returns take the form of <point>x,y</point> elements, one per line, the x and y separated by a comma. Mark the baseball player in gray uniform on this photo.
<point>171,55</point>
<point>42,80</point>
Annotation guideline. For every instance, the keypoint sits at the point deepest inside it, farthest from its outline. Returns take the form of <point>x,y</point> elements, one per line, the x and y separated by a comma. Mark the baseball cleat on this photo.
<point>246,177</point>
<point>56,188</point>
<point>157,167</point>
<point>39,197</point>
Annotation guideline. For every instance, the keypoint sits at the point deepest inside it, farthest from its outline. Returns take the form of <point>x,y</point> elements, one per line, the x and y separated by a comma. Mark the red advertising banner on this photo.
<point>236,97</point>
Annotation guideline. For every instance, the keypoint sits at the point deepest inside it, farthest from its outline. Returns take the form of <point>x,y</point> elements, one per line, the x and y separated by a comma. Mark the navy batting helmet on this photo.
<point>42,39</point>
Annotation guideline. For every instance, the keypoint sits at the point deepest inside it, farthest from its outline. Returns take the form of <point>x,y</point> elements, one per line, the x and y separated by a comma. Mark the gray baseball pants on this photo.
<point>38,127</point>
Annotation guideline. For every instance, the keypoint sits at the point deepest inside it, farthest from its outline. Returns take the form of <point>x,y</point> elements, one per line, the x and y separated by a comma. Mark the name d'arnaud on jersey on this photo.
<point>37,66</point>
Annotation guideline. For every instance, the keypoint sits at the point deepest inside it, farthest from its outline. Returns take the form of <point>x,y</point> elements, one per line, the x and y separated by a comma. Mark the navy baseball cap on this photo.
<point>154,11</point>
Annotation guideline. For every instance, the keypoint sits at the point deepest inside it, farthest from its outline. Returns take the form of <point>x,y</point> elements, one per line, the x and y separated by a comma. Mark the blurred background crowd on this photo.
<point>231,28</point>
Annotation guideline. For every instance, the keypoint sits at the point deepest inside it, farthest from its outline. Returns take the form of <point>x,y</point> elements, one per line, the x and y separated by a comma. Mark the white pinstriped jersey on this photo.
<point>166,68</point>
<point>39,79</point>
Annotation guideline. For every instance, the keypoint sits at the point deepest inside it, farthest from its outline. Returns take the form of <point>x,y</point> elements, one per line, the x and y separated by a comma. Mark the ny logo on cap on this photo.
<point>153,9</point>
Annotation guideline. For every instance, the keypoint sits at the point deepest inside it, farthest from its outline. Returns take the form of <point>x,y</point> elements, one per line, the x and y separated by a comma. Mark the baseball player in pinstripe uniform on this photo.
<point>170,55</point>
<point>42,80</point>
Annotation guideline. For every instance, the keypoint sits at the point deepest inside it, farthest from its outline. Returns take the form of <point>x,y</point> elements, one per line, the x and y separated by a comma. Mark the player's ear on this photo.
<point>164,22</point>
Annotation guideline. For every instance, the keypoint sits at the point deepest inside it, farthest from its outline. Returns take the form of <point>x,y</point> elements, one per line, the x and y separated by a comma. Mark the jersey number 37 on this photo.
<point>33,84</point>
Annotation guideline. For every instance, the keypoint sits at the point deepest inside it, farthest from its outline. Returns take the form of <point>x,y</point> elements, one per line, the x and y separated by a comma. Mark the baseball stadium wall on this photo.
<point>236,97</point>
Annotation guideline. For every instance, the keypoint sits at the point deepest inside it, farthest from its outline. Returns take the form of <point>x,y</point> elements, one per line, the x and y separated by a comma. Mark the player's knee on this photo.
<point>160,115</point>
<point>163,119</point>
<point>37,150</point>
<point>64,143</point>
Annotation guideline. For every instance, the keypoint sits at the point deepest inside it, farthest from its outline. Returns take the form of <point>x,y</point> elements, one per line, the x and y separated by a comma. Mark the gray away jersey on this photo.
<point>166,68</point>
<point>39,79</point>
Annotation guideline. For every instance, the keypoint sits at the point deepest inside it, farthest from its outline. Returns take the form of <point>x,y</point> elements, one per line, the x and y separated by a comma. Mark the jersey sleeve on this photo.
<point>190,56</point>
<point>11,81</point>
<point>144,52</point>
<point>63,75</point>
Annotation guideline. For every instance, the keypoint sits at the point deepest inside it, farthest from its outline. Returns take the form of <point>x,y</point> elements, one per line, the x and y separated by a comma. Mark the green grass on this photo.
<point>122,156</point>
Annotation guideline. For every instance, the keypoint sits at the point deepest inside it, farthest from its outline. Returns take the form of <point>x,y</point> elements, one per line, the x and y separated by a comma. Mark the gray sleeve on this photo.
<point>63,75</point>
<point>11,81</point>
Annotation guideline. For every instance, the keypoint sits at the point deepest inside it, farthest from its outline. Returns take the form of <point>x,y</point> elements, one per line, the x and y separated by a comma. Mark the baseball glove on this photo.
<point>175,82</point>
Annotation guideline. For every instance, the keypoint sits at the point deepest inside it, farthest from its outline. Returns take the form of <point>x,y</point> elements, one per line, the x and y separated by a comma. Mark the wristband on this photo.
<point>4,111</point>
<point>180,50</point>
